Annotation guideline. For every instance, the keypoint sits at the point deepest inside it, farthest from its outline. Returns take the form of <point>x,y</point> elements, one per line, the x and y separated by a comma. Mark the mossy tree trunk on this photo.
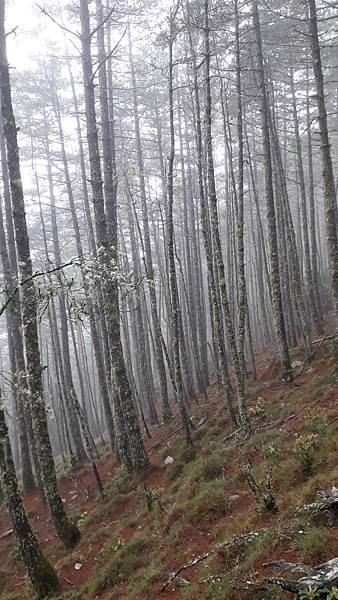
<point>67,532</point>
<point>328,175</point>
<point>277,308</point>
<point>40,572</point>
<point>128,438</point>
<point>175,307</point>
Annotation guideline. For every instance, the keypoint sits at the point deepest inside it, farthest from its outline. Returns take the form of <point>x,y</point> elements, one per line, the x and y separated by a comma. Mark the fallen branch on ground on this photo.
<point>7,534</point>
<point>235,541</point>
<point>324,576</point>
<point>328,502</point>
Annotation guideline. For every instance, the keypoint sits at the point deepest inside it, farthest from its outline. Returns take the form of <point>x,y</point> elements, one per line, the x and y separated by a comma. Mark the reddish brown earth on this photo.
<point>74,490</point>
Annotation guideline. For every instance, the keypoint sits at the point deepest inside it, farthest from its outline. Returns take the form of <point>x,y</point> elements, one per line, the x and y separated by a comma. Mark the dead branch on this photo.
<point>235,541</point>
<point>320,577</point>
<point>7,534</point>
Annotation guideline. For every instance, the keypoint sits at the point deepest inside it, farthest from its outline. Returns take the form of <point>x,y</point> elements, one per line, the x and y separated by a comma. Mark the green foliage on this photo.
<point>126,559</point>
<point>314,593</point>
<point>209,502</point>
<point>120,481</point>
<point>332,594</point>
<point>316,425</point>
<point>305,450</point>
<point>188,455</point>
<point>211,467</point>
<point>313,545</point>
<point>175,470</point>
<point>272,453</point>
<point>4,576</point>
<point>153,496</point>
<point>259,409</point>
<point>309,594</point>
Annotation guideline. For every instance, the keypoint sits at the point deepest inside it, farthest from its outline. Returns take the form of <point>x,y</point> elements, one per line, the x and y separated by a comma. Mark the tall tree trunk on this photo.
<point>68,533</point>
<point>175,308</point>
<point>148,260</point>
<point>277,307</point>
<point>239,373</point>
<point>41,573</point>
<point>304,220</point>
<point>328,176</point>
<point>129,442</point>
<point>17,363</point>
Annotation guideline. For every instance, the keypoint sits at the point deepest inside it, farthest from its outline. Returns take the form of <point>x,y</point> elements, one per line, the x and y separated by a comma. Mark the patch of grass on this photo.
<point>210,502</point>
<point>175,470</point>
<point>313,546</point>
<point>188,455</point>
<point>99,534</point>
<point>211,467</point>
<point>144,579</point>
<point>4,577</point>
<point>126,559</point>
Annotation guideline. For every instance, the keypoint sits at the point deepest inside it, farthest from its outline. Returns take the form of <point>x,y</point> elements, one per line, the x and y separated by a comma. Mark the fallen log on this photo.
<point>328,502</point>
<point>236,541</point>
<point>323,578</point>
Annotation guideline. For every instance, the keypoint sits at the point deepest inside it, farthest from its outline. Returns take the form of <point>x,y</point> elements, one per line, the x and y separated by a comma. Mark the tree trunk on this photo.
<point>68,533</point>
<point>328,176</point>
<point>277,308</point>
<point>41,573</point>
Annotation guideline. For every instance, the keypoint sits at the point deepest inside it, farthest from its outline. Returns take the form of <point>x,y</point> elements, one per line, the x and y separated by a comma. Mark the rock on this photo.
<point>296,363</point>
<point>233,498</point>
<point>169,460</point>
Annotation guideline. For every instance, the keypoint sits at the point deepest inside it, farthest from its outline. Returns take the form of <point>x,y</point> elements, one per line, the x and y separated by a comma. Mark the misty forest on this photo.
<point>169,299</point>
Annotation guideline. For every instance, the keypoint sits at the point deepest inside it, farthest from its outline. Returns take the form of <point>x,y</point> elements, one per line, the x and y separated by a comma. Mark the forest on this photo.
<point>168,299</point>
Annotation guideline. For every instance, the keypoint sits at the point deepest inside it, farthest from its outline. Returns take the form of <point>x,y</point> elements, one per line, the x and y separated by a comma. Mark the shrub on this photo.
<point>153,496</point>
<point>212,467</point>
<point>305,450</point>
<point>313,545</point>
<point>120,481</point>
<point>210,502</point>
<point>259,409</point>
<point>175,470</point>
<point>188,455</point>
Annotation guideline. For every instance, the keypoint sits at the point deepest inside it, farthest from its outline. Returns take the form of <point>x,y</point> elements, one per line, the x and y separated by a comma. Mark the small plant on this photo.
<point>153,496</point>
<point>272,453</point>
<point>120,480</point>
<point>305,450</point>
<point>332,594</point>
<point>82,520</point>
<point>314,545</point>
<point>262,490</point>
<point>259,409</point>
<point>309,594</point>
<point>212,467</point>
<point>316,425</point>
<point>118,545</point>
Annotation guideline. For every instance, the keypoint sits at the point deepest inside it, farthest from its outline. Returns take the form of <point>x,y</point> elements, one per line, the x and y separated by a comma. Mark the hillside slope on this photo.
<point>146,528</point>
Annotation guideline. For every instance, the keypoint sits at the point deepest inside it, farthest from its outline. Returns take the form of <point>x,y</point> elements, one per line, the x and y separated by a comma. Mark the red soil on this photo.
<point>79,490</point>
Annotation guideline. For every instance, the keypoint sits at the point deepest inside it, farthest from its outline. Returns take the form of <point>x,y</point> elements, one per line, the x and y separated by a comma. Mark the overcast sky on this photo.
<point>33,31</point>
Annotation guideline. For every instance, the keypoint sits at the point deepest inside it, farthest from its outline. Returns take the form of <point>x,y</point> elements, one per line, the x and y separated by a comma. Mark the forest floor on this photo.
<point>200,501</point>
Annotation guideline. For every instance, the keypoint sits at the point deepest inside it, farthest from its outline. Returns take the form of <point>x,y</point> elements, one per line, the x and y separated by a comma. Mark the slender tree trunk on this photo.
<point>41,573</point>
<point>277,308</point>
<point>328,175</point>
<point>148,260</point>
<point>170,240</point>
<point>129,442</point>
<point>68,533</point>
